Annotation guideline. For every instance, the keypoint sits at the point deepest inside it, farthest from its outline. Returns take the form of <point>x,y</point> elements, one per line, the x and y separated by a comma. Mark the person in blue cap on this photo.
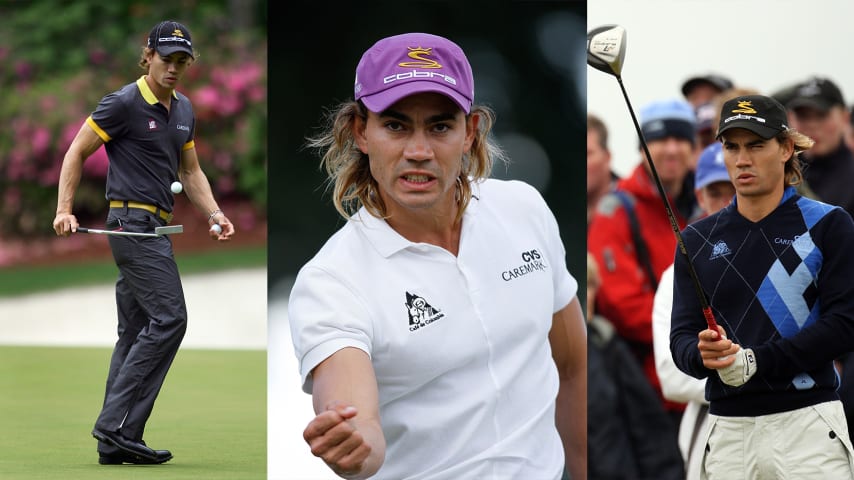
<point>631,237</point>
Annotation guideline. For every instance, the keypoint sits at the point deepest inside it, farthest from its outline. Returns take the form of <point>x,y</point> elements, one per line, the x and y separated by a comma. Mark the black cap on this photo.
<point>717,81</point>
<point>785,94</point>
<point>169,37</point>
<point>761,115</point>
<point>818,93</point>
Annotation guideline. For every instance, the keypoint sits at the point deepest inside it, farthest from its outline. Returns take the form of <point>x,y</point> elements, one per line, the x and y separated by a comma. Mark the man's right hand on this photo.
<point>335,439</point>
<point>716,349</point>
<point>64,224</point>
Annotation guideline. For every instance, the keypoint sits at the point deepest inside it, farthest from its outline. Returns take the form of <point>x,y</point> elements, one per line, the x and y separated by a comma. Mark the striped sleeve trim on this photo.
<point>98,130</point>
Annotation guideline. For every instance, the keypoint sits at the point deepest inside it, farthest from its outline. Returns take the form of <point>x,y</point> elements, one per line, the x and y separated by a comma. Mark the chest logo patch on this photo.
<point>152,125</point>
<point>420,312</point>
<point>720,249</point>
<point>533,262</point>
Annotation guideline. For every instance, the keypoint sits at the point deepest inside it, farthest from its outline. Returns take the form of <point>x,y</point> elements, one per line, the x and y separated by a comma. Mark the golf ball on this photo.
<point>177,187</point>
<point>216,228</point>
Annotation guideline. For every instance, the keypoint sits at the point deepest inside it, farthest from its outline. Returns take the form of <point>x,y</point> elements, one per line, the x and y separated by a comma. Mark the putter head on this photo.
<point>606,48</point>
<point>168,230</point>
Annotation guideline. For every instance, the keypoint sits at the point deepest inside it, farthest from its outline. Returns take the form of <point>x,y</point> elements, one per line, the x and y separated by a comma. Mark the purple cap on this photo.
<point>402,65</point>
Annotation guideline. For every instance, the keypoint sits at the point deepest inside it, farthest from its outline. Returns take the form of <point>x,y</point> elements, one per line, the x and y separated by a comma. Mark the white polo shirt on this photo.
<point>467,383</point>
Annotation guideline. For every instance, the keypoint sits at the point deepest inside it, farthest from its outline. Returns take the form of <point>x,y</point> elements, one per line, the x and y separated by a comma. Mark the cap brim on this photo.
<point>722,177</point>
<point>381,101</point>
<point>166,51</point>
<point>763,131</point>
<point>814,103</point>
<point>694,82</point>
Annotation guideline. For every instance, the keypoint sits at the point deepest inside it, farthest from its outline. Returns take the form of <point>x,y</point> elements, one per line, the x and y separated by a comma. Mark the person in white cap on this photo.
<point>438,331</point>
<point>714,191</point>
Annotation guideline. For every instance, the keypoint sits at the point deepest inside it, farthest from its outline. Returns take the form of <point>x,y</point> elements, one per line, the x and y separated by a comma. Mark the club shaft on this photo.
<point>115,232</point>
<point>674,225</point>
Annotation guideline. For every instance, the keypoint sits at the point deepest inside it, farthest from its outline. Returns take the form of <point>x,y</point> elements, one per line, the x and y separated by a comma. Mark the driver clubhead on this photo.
<point>606,48</point>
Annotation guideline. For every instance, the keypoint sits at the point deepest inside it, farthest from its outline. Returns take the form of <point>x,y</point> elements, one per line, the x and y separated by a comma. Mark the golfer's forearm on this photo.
<point>199,191</point>
<point>69,180</point>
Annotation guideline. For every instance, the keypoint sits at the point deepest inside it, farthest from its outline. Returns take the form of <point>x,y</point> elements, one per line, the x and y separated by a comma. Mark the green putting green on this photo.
<point>211,413</point>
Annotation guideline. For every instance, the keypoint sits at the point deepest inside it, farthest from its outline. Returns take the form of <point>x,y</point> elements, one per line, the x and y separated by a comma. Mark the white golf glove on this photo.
<point>741,369</point>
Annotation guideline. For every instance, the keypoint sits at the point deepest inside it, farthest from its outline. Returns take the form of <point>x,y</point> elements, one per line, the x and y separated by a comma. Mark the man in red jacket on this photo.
<point>630,235</point>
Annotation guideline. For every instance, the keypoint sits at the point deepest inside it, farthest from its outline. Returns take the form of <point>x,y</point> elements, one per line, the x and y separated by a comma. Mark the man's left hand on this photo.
<point>740,371</point>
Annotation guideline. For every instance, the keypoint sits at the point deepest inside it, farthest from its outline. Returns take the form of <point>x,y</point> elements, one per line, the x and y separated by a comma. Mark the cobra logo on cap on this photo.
<point>418,53</point>
<point>744,106</point>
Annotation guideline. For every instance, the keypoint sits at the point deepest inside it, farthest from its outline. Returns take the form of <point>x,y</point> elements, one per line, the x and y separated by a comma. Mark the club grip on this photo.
<point>82,230</point>
<point>710,321</point>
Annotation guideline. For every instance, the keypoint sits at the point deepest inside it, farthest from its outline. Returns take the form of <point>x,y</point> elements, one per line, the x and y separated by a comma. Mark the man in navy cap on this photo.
<point>819,112</point>
<point>702,89</point>
<point>147,128</point>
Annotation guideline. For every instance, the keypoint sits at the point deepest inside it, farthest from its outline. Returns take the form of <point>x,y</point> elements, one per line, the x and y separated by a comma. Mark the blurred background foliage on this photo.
<point>59,58</point>
<point>529,65</point>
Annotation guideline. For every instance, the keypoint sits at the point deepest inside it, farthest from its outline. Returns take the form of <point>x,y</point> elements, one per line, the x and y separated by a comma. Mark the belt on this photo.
<point>144,206</point>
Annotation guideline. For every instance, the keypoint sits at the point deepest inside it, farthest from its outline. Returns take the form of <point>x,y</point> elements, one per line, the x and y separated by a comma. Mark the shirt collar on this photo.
<point>146,92</point>
<point>388,242</point>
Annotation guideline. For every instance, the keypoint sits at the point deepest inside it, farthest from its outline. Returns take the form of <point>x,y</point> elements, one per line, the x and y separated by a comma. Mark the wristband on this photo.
<point>210,217</point>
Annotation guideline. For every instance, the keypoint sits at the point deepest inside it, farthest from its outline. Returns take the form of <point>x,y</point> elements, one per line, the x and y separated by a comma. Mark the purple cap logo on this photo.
<point>402,65</point>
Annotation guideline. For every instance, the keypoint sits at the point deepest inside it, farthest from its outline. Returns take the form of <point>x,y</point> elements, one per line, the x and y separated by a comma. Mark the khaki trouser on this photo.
<point>811,443</point>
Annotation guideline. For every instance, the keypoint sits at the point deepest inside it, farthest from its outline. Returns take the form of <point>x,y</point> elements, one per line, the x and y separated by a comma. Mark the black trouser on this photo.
<point>152,320</point>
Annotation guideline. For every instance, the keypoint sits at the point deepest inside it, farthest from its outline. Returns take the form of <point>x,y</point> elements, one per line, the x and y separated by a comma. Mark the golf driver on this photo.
<point>606,49</point>
<point>158,231</point>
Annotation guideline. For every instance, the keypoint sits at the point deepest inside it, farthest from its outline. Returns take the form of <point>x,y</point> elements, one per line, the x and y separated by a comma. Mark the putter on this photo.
<point>158,231</point>
<point>606,49</point>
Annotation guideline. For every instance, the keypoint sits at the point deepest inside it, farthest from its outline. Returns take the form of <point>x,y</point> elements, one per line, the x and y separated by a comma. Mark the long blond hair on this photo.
<point>349,172</point>
<point>793,172</point>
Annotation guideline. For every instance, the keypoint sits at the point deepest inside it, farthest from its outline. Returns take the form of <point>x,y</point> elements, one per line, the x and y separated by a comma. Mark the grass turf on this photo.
<point>30,279</point>
<point>211,413</point>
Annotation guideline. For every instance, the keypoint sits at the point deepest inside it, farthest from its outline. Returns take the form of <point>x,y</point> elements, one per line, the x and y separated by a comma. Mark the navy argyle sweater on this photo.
<point>783,286</point>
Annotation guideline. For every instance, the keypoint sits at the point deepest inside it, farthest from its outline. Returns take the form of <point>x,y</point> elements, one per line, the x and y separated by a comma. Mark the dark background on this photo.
<point>529,66</point>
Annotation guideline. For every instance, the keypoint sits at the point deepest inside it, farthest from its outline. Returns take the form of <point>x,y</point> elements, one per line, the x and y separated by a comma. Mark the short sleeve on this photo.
<point>565,285</point>
<point>325,316</point>
<point>110,117</point>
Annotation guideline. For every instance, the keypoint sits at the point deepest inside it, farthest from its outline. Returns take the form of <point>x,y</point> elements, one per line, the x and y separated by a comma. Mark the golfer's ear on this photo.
<point>360,124</point>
